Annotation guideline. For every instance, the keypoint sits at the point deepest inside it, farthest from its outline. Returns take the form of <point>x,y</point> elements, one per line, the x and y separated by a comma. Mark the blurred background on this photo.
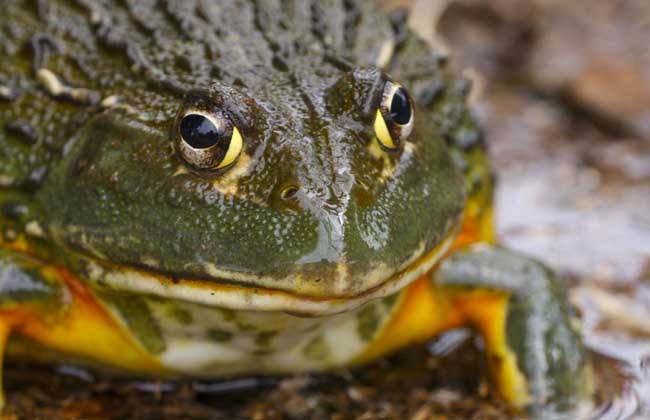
<point>562,89</point>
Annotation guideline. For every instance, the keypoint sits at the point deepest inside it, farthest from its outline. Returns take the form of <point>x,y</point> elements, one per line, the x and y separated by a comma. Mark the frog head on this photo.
<point>307,187</point>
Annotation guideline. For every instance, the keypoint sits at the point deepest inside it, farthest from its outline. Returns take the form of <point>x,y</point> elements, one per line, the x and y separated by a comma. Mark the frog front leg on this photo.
<point>520,308</point>
<point>51,307</point>
<point>26,287</point>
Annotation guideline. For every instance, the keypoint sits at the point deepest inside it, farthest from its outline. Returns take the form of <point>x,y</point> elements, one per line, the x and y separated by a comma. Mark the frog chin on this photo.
<point>238,297</point>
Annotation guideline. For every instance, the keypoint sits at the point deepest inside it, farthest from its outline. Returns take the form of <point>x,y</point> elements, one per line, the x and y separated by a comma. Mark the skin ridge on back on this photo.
<point>107,44</point>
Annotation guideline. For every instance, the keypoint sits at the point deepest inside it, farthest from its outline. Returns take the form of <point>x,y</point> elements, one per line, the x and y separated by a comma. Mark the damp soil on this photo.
<point>563,91</point>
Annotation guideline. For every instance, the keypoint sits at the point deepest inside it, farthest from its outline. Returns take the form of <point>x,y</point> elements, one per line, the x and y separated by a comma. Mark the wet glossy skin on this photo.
<point>316,246</point>
<point>303,88</point>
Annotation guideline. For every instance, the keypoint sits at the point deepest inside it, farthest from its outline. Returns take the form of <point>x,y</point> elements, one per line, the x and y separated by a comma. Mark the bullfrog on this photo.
<point>215,188</point>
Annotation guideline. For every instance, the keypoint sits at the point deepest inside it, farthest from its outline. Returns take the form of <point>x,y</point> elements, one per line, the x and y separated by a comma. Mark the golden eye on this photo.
<point>394,119</point>
<point>208,140</point>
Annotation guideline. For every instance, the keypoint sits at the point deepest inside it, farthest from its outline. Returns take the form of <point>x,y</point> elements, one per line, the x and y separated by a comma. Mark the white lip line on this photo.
<point>252,298</point>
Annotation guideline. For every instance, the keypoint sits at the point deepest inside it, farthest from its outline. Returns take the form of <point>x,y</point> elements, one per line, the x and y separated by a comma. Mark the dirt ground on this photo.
<point>563,91</point>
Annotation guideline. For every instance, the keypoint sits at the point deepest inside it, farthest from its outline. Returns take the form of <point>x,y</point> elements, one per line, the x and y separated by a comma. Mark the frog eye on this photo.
<point>208,140</point>
<point>394,119</point>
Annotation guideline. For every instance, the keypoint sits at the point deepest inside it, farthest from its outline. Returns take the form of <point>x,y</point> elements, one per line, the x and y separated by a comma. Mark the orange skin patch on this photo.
<point>478,226</point>
<point>81,328</point>
<point>487,312</point>
<point>427,310</point>
<point>423,313</point>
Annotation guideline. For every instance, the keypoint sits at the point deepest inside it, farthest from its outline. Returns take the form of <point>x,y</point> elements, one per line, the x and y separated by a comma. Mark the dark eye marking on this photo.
<point>208,140</point>
<point>394,120</point>
<point>199,132</point>
<point>400,107</point>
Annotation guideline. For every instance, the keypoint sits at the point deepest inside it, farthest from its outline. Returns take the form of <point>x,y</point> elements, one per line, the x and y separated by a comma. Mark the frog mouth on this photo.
<point>245,297</point>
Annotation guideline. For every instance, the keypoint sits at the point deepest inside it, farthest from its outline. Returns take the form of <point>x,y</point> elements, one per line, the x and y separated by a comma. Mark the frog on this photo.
<point>206,189</point>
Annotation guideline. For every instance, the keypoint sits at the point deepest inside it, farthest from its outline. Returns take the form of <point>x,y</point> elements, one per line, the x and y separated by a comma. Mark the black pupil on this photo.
<point>199,132</point>
<point>400,107</point>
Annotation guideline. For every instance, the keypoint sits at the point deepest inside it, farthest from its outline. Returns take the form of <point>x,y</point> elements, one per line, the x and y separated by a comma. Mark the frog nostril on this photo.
<point>289,192</point>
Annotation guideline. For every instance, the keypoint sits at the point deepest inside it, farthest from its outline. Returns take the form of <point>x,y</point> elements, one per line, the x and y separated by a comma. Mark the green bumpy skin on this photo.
<point>314,248</point>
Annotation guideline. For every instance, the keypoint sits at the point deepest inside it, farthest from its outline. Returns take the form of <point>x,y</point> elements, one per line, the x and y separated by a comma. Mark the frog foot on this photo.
<point>534,353</point>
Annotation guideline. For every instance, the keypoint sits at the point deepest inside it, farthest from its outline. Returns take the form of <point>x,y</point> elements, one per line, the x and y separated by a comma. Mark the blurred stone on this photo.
<point>597,61</point>
<point>628,159</point>
<point>600,59</point>
<point>560,83</point>
<point>616,90</point>
<point>494,35</point>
